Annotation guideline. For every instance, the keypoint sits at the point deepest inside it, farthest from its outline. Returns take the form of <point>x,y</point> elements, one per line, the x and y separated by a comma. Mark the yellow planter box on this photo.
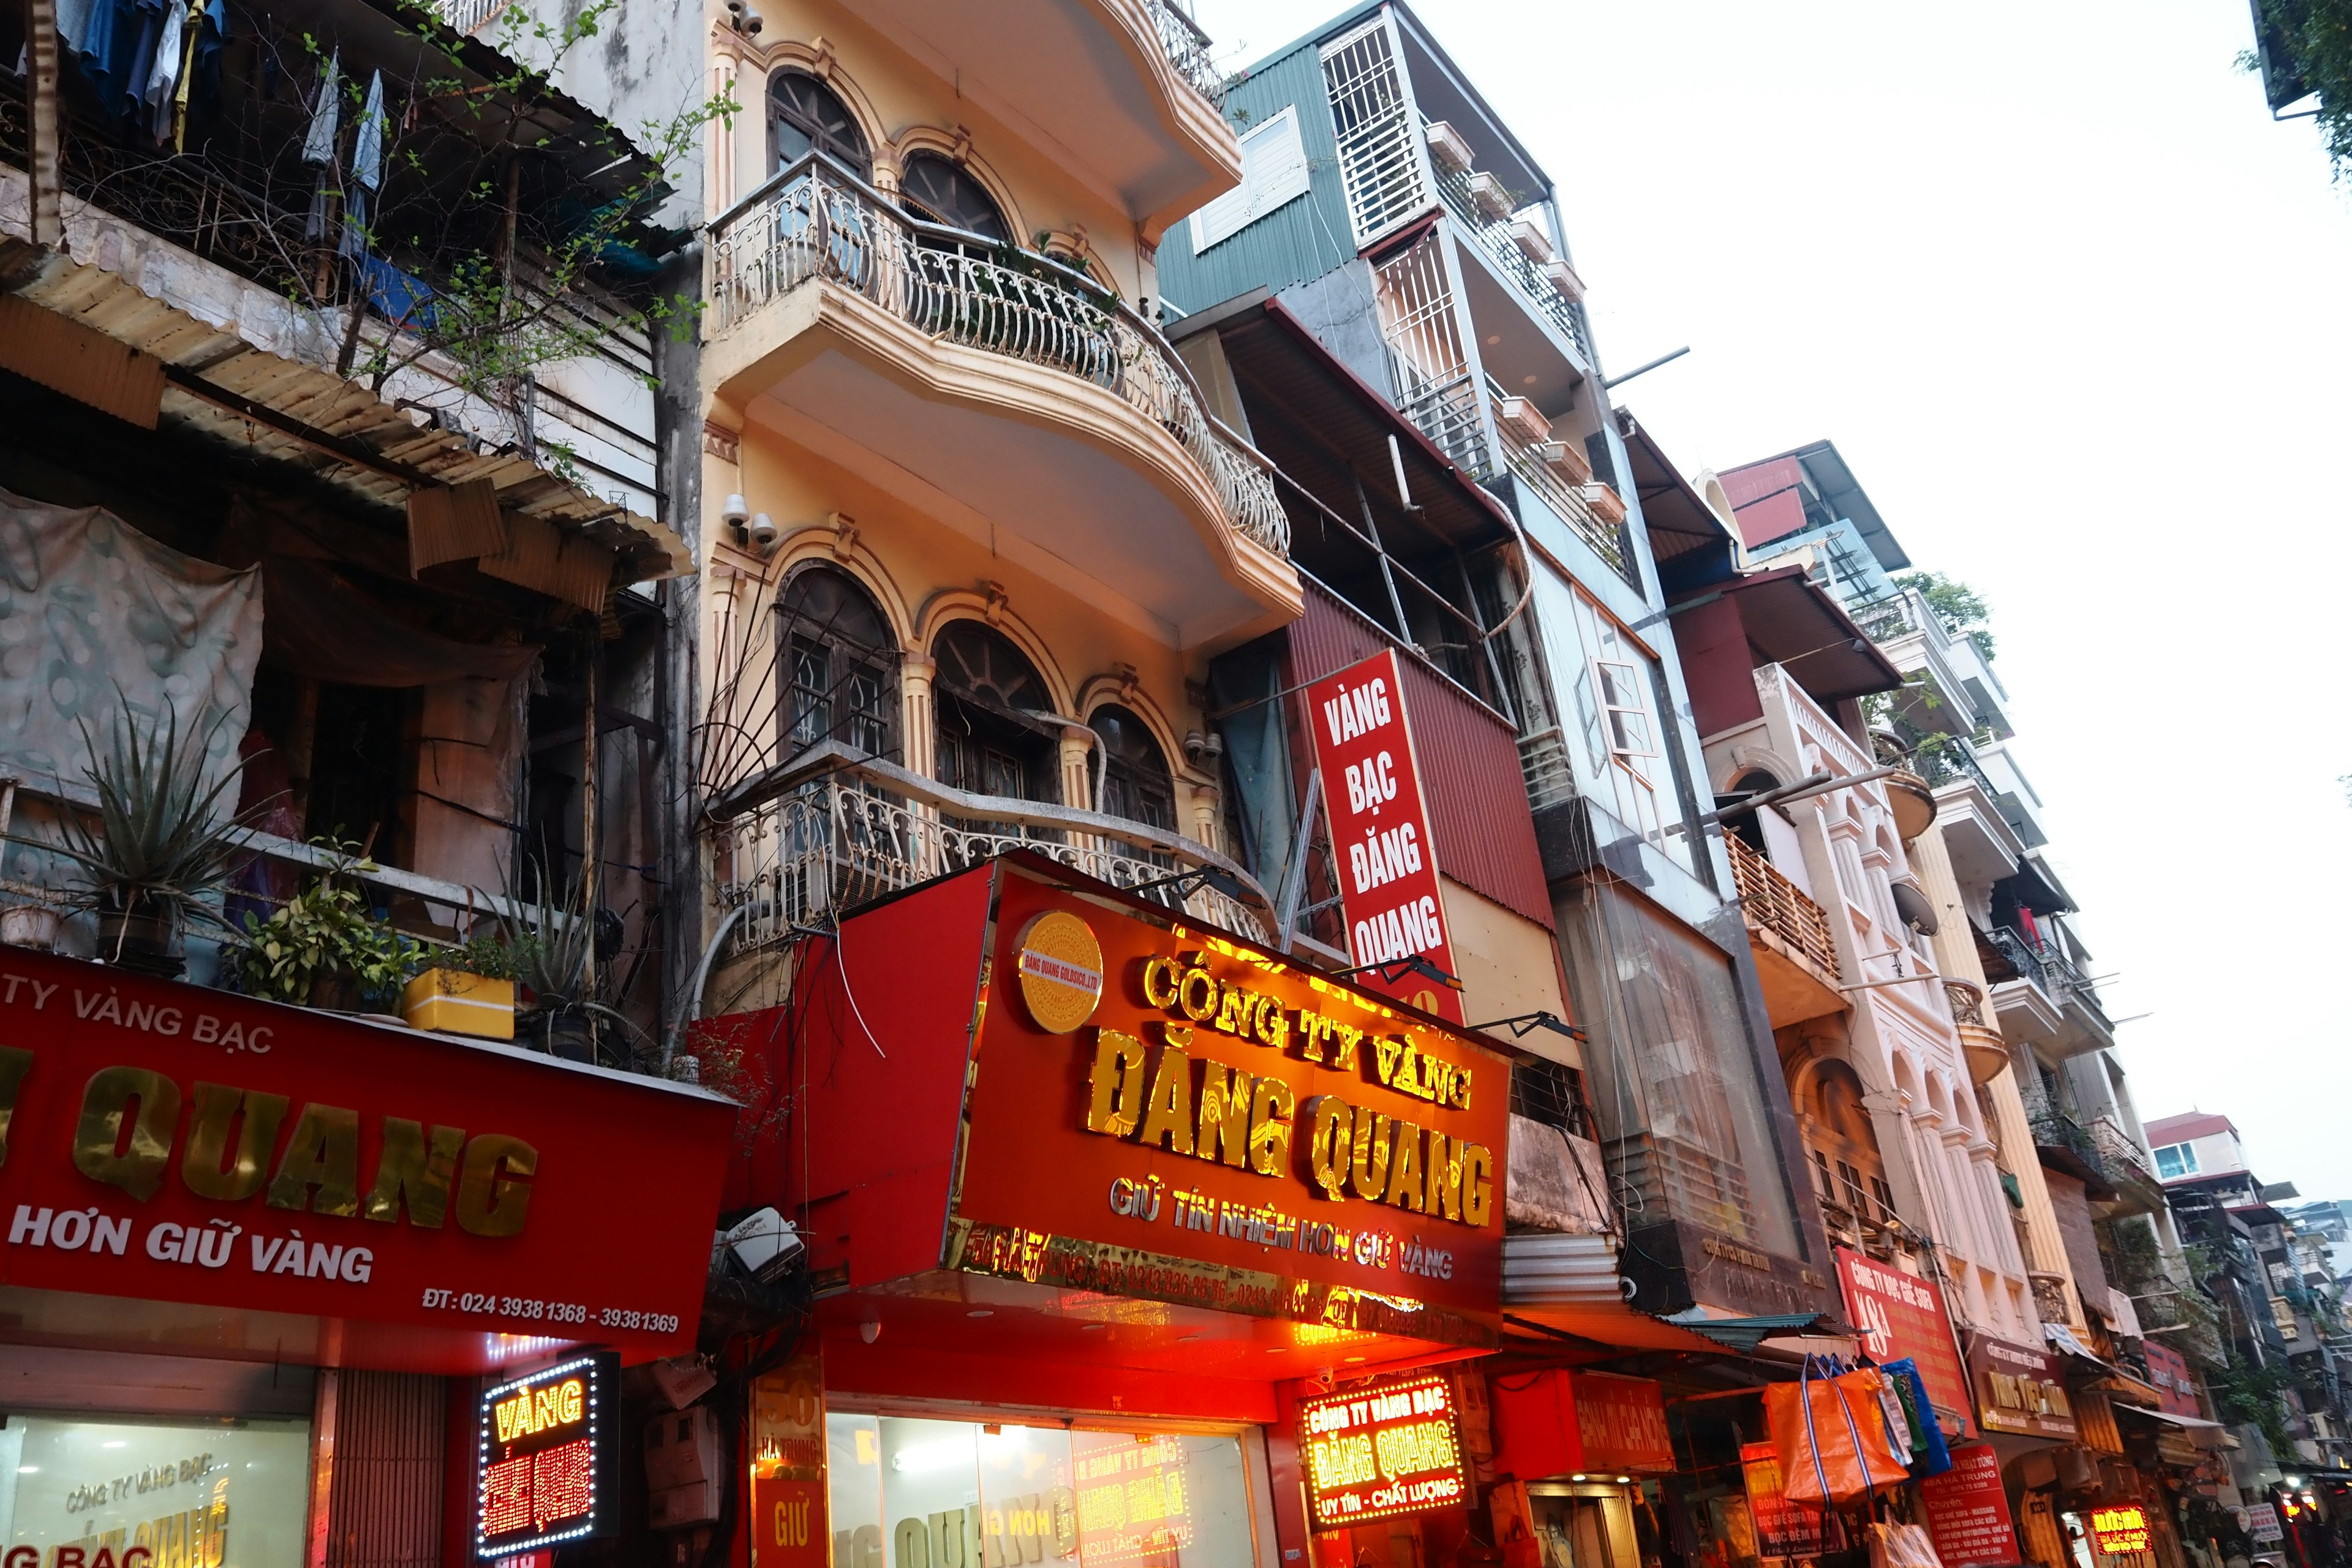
<point>455,1003</point>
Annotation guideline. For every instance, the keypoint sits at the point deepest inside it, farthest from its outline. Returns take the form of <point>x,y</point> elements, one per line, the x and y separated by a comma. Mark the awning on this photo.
<point>1790,620</point>
<point>2208,1434</point>
<point>1744,1334</point>
<point>1608,1330</point>
<point>213,380</point>
<point>2109,1378</point>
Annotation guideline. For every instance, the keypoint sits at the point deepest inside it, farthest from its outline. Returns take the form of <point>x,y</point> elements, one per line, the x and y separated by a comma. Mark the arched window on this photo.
<point>996,734</point>
<point>1135,783</point>
<point>1842,1144</point>
<point>840,665</point>
<point>943,191</point>
<point>804,114</point>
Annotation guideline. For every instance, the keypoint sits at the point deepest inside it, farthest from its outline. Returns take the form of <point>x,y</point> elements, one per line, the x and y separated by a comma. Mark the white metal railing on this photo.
<point>1528,466</point>
<point>469,16</point>
<point>1496,240</point>
<point>833,830</point>
<point>1543,762</point>
<point>1187,49</point>
<point>816,221</point>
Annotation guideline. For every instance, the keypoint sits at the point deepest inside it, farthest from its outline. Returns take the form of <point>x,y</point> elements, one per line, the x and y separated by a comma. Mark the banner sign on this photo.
<point>788,1468</point>
<point>186,1146</point>
<point>2019,1391</point>
<point>1389,889</point>
<point>1623,1422</point>
<point>1903,1315</point>
<point>2169,1370</point>
<point>1783,1528</point>
<point>1378,1452</point>
<point>1155,1108</point>
<point>2261,1521</point>
<point>547,1450</point>
<point>1968,1512</point>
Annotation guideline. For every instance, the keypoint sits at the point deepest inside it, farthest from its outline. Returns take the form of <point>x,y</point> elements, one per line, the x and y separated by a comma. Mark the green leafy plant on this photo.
<point>325,929</point>
<point>160,844</point>
<point>550,940</point>
<point>1960,607</point>
<point>2309,46</point>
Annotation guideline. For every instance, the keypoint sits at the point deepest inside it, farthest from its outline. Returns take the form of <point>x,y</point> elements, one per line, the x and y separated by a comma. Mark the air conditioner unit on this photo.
<point>1446,148</point>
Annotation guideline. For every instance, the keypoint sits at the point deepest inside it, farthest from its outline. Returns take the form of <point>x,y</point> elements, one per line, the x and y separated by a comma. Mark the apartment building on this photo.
<point>1390,212</point>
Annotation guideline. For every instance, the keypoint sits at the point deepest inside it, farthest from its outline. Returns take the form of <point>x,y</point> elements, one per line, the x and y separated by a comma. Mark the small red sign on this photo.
<point>1968,1512</point>
<point>1379,1452</point>
<point>2119,1527</point>
<point>2169,1370</point>
<point>1622,1421</point>
<point>1903,1315</point>
<point>1389,889</point>
<point>1783,1528</point>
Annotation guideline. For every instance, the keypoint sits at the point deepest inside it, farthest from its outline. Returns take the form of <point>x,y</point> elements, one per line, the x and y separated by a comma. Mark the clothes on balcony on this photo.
<point>161,90</point>
<point>319,143</point>
<point>367,173</point>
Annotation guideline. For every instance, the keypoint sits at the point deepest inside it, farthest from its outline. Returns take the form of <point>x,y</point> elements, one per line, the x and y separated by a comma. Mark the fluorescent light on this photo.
<point>28,1469</point>
<point>115,1444</point>
<point>931,1456</point>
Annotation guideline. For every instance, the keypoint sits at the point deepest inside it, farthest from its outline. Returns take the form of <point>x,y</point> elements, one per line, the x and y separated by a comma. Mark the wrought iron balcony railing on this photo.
<point>1947,759</point>
<point>817,221</point>
<point>1774,903</point>
<point>1502,247</point>
<point>1187,49</point>
<point>835,829</point>
<point>1967,1002</point>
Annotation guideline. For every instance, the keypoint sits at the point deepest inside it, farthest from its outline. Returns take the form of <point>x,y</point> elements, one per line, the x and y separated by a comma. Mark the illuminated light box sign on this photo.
<point>549,1446</point>
<point>2119,1527</point>
<point>1395,1449</point>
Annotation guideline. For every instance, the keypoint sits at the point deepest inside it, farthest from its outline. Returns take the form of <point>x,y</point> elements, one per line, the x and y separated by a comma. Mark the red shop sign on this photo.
<point>1902,1315</point>
<point>1968,1512</point>
<point>2169,1370</point>
<point>386,1197</point>
<point>1389,889</point>
<point>1623,1423</point>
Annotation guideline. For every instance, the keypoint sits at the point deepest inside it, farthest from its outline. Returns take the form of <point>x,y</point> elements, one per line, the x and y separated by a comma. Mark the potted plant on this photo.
<point>325,948</point>
<point>33,925</point>
<point>160,848</point>
<point>468,989</point>
<point>550,940</point>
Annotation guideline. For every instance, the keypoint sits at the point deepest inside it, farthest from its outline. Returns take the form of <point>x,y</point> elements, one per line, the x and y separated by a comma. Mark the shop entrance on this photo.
<point>1583,1526</point>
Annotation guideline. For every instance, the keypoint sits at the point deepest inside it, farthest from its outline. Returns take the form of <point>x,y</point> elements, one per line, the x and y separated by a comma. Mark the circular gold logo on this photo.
<point>1061,971</point>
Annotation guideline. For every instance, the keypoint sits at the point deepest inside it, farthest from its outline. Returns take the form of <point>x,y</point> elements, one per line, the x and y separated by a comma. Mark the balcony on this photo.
<point>834,830</point>
<point>1124,88</point>
<point>1001,392</point>
<point>1795,957</point>
<point>2041,997</point>
<point>1533,468</point>
<point>1986,1052</point>
<point>1497,242</point>
<point>1916,639</point>
<point>1982,841</point>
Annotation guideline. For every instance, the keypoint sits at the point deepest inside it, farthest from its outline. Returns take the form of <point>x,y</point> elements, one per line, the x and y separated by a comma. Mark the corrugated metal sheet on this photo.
<point>391,1435</point>
<point>1476,796</point>
<point>1302,240</point>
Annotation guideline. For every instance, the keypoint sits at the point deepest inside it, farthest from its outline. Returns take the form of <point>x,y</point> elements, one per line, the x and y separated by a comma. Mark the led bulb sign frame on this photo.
<point>548,1449</point>
<point>1379,1452</point>
<point>2119,1527</point>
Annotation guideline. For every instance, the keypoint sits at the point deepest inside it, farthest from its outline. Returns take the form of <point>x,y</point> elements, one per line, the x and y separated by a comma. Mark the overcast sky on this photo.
<point>2080,316</point>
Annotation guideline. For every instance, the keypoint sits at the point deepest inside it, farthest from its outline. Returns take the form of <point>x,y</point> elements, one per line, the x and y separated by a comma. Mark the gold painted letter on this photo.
<point>1477,1185</point>
<point>1269,1133</point>
<point>323,1153</point>
<point>1371,1156</point>
<point>1224,1125</point>
<point>208,1168</point>
<point>1168,1110</point>
<point>1327,1120</point>
<point>137,1169</point>
<point>1117,1083</point>
<point>412,1171</point>
<point>493,1198</point>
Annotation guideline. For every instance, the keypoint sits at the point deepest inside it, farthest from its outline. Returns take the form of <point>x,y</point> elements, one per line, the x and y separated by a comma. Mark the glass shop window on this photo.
<point>201,1494</point>
<point>909,1492</point>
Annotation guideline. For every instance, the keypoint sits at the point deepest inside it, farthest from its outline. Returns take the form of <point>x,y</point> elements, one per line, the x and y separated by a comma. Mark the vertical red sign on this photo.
<point>1968,1512</point>
<point>1903,1315</point>
<point>1388,890</point>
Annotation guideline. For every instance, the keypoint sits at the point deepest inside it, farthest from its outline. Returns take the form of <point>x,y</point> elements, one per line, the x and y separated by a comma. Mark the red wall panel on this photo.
<point>1476,796</point>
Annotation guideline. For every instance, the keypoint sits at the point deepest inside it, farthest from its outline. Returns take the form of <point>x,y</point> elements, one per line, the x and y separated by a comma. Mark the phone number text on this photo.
<point>531,1309</point>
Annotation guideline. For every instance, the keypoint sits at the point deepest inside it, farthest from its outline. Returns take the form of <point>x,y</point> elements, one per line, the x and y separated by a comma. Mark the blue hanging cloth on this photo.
<point>367,171</point>
<point>1930,1456</point>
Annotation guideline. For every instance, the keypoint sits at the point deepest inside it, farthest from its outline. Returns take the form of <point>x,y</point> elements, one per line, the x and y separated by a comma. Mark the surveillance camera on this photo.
<point>761,534</point>
<point>752,23</point>
<point>735,513</point>
<point>870,1330</point>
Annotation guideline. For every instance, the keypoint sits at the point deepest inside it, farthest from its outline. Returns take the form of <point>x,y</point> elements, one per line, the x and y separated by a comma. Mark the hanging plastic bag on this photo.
<point>1930,1456</point>
<point>1901,1546</point>
<point>1831,1435</point>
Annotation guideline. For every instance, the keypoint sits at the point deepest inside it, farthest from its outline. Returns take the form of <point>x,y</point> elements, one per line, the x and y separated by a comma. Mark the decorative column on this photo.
<point>1078,745</point>
<point>918,730</point>
<point>1208,821</point>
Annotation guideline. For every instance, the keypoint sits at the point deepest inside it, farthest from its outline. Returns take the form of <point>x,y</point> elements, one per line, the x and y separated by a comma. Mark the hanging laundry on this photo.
<point>319,143</point>
<point>163,76</point>
<point>136,55</point>
<point>367,171</point>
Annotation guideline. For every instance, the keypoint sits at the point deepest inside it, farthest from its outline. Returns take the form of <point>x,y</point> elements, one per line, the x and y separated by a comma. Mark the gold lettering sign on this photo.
<point>412,1172</point>
<point>101,1150</point>
<point>14,1063</point>
<point>256,1116</point>
<point>493,1188</point>
<point>321,1168</point>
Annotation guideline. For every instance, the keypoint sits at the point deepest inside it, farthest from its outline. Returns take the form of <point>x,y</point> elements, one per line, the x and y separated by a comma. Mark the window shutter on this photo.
<point>1274,171</point>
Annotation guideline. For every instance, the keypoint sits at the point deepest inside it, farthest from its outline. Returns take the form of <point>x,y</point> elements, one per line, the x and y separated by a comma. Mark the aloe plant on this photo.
<point>549,941</point>
<point>160,838</point>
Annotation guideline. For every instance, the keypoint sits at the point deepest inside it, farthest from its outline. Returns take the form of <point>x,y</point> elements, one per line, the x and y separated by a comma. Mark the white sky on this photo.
<point>2080,317</point>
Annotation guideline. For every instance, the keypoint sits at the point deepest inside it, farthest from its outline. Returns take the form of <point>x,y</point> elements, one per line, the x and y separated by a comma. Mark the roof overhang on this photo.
<point>1793,621</point>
